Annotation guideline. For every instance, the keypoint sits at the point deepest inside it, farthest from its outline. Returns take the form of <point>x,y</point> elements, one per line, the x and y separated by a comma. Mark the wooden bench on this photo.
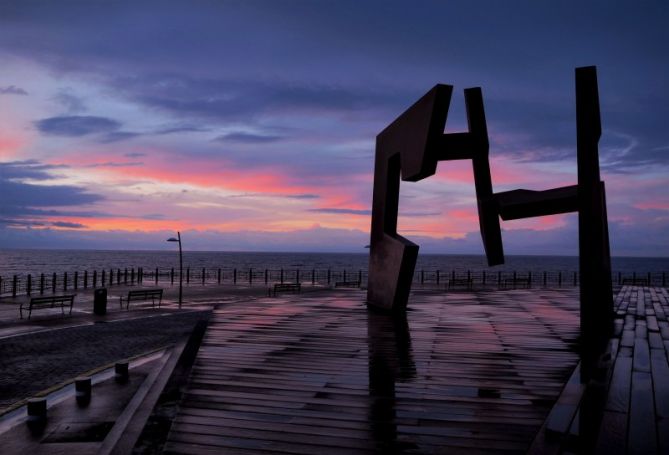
<point>284,287</point>
<point>347,284</point>
<point>467,282</point>
<point>143,294</point>
<point>636,281</point>
<point>515,282</point>
<point>47,302</point>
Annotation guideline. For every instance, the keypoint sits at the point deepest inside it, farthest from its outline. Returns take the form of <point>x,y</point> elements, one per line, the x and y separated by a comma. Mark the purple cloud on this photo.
<point>12,90</point>
<point>76,125</point>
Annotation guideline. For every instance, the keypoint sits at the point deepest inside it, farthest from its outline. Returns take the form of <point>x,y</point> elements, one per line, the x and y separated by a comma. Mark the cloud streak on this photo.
<point>12,90</point>
<point>76,125</point>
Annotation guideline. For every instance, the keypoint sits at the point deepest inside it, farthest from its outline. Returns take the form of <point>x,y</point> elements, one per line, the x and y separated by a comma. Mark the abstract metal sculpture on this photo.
<point>588,198</point>
<point>413,144</point>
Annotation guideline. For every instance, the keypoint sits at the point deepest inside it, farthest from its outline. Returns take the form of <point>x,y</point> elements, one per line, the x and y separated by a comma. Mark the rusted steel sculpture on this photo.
<point>414,143</point>
<point>411,146</point>
<point>588,198</point>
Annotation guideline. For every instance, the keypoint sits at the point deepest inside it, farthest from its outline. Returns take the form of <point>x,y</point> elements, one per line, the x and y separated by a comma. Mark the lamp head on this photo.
<point>172,239</point>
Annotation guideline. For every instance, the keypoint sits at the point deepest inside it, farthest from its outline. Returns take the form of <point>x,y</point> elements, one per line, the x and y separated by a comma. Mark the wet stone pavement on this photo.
<point>34,362</point>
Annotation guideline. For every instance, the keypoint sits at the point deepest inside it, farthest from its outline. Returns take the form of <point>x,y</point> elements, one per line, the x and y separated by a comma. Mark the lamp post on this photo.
<point>181,266</point>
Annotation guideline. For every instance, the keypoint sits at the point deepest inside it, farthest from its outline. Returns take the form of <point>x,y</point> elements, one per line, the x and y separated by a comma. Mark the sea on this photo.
<point>35,262</point>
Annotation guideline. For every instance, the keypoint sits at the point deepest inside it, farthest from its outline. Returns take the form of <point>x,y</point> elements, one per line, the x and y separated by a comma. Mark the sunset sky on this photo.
<point>250,125</point>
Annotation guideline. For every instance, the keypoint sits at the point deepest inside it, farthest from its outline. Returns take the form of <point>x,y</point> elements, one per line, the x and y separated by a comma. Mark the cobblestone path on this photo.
<point>33,362</point>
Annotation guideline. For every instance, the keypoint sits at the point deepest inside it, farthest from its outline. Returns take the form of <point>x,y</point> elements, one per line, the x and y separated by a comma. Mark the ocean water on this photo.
<point>22,262</point>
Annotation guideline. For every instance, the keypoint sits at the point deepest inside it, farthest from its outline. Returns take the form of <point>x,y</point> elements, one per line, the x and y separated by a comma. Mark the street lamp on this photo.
<point>181,266</point>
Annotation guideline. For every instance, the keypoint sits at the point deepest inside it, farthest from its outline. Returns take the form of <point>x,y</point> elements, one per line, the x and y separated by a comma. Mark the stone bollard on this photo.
<point>82,387</point>
<point>121,372</point>
<point>36,411</point>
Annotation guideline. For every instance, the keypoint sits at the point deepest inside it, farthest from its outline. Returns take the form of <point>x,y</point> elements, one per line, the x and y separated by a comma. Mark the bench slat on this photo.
<point>143,294</point>
<point>285,287</point>
<point>45,302</point>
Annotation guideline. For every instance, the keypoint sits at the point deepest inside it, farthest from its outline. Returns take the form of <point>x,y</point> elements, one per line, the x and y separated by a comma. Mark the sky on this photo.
<point>251,125</point>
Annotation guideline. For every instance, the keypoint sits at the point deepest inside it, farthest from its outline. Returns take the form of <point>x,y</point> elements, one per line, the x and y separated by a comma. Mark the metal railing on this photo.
<point>29,284</point>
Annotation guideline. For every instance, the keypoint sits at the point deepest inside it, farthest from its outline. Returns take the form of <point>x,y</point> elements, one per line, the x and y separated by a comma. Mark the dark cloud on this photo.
<point>21,202</point>
<point>116,164</point>
<point>68,225</point>
<point>76,125</point>
<point>303,196</point>
<point>19,197</point>
<point>116,136</point>
<point>232,99</point>
<point>134,154</point>
<point>247,138</point>
<point>419,214</point>
<point>288,196</point>
<point>72,103</point>
<point>181,129</point>
<point>341,211</point>
<point>12,90</point>
<point>27,169</point>
<point>153,216</point>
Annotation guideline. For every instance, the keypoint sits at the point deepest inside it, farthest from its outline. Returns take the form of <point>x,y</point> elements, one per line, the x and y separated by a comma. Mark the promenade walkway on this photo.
<point>625,407</point>
<point>466,372</point>
<point>50,350</point>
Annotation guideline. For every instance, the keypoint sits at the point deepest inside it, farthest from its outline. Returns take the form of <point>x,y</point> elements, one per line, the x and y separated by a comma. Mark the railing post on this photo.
<point>437,276</point>
<point>41,283</point>
<point>85,279</point>
<point>313,277</point>
<point>14,285</point>
<point>344,275</point>
<point>172,276</point>
<point>76,280</point>
<point>329,274</point>
<point>125,276</point>
<point>560,279</point>
<point>118,276</point>
<point>250,276</point>
<point>529,278</point>
<point>499,279</point>
<point>187,275</point>
<point>544,278</point>
<point>281,275</point>
<point>266,276</point>
<point>234,276</point>
<point>111,277</point>
<point>218,275</point>
<point>64,281</point>
<point>157,276</point>
<point>359,277</point>
<point>297,276</point>
<point>469,276</point>
<point>29,284</point>
<point>422,276</point>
